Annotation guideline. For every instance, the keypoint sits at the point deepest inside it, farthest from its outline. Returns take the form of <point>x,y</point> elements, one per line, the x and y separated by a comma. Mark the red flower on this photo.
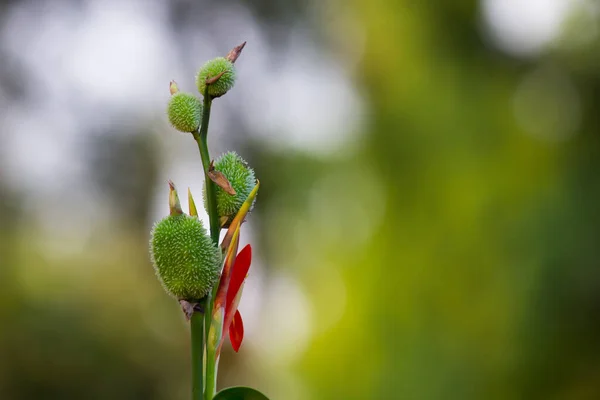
<point>235,269</point>
<point>229,293</point>
<point>233,318</point>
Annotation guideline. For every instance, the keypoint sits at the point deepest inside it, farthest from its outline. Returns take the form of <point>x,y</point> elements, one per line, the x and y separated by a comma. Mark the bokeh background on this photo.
<point>428,224</point>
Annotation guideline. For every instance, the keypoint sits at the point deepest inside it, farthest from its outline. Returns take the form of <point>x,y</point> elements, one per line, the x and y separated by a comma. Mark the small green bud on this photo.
<point>173,88</point>
<point>185,259</point>
<point>192,204</point>
<point>185,112</point>
<point>174,204</point>
<point>242,180</point>
<point>220,70</point>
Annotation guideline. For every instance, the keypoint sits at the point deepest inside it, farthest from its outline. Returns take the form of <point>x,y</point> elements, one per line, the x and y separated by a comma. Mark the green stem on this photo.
<point>215,230</point>
<point>197,329</point>
<point>209,390</point>
<point>211,374</point>
<point>211,191</point>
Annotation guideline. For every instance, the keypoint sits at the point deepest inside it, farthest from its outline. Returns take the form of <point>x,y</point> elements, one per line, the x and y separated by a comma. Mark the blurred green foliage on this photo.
<point>479,275</point>
<point>449,254</point>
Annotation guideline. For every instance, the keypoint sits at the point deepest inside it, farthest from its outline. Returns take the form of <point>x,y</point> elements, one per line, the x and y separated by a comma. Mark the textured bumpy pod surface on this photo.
<point>184,112</point>
<point>185,260</point>
<point>242,179</point>
<point>213,69</point>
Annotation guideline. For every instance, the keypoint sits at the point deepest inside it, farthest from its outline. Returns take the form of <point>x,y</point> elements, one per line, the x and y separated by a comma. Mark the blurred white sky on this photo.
<point>112,60</point>
<point>527,27</point>
<point>108,62</point>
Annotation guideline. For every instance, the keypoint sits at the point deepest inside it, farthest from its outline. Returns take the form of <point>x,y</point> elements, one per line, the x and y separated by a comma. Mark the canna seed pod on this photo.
<point>185,259</point>
<point>242,180</point>
<point>184,112</point>
<point>222,71</point>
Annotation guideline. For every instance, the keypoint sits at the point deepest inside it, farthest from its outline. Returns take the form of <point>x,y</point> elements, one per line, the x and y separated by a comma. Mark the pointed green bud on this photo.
<point>174,204</point>
<point>184,111</point>
<point>218,74</point>
<point>242,180</point>
<point>173,88</point>
<point>239,218</point>
<point>192,204</point>
<point>185,259</point>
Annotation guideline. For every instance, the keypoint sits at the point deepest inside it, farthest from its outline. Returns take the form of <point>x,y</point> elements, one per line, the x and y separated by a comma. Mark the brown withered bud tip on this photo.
<point>171,185</point>
<point>235,53</point>
<point>173,88</point>
<point>187,308</point>
<point>218,178</point>
<point>211,80</point>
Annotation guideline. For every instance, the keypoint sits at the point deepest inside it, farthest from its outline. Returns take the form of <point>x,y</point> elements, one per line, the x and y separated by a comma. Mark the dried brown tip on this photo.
<point>187,308</point>
<point>235,53</point>
<point>174,205</point>
<point>219,179</point>
<point>211,80</point>
<point>173,88</point>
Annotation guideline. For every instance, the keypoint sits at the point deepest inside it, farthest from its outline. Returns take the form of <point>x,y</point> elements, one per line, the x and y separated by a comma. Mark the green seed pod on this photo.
<point>242,179</point>
<point>220,69</point>
<point>185,112</point>
<point>185,259</point>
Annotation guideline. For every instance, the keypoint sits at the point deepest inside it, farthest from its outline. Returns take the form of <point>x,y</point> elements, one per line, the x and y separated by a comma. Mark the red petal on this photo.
<point>221,297</point>
<point>238,275</point>
<point>236,331</point>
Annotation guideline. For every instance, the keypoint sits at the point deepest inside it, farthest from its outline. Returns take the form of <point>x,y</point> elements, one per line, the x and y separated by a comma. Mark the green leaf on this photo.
<point>240,393</point>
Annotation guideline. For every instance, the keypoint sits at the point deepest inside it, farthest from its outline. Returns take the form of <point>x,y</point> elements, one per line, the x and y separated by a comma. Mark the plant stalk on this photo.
<point>197,329</point>
<point>215,230</point>
<point>211,372</point>
<point>211,193</point>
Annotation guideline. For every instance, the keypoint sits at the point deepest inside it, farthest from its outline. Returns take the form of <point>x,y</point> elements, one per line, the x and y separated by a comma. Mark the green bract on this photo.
<point>185,260</point>
<point>242,179</point>
<point>212,69</point>
<point>185,112</point>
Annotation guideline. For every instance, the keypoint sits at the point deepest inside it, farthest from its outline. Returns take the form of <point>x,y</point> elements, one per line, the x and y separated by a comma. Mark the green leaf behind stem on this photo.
<point>240,393</point>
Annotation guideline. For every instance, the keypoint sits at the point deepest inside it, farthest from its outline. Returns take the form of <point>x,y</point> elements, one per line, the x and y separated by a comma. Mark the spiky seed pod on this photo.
<point>242,179</point>
<point>185,259</point>
<point>185,112</point>
<point>212,69</point>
